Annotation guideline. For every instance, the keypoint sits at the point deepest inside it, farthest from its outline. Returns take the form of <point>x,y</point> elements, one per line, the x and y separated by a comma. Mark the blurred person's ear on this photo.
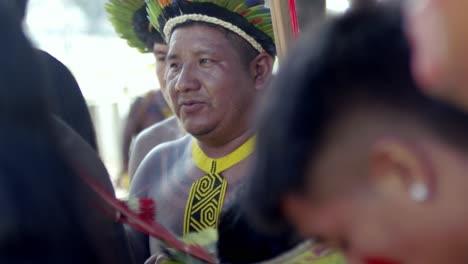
<point>398,172</point>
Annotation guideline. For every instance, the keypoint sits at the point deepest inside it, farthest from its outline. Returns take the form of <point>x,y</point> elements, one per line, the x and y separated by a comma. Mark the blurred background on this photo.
<point>110,74</point>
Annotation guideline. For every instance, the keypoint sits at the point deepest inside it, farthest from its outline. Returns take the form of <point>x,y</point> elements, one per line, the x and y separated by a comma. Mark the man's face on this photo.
<point>210,87</point>
<point>358,200</point>
<point>160,53</point>
<point>438,32</point>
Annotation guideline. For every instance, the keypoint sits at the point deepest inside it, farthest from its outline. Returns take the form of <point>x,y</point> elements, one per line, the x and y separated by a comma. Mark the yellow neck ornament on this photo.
<point>219,165</point>
<point>207,194</point>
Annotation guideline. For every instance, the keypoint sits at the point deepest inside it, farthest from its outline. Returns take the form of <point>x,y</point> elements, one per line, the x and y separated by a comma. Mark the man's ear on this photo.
<point>261,68</point>
<point>399,170</point>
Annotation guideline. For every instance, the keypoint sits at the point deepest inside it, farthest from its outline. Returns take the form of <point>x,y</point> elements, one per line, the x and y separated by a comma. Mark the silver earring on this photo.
<point>419,192</point>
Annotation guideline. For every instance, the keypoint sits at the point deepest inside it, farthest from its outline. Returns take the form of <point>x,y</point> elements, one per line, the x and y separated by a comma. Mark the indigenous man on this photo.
<point>129,18</point>
<point>220,59</point>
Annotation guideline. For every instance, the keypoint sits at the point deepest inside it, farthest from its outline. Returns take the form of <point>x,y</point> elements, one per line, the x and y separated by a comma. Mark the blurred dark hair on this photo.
<point>64,95</point>
<point>21,7</point>
<point>240,242</point>
<point>144,30</point>
<point>45,206</point>
<point>19,102</point>
<point>360,59</point>
<point>65,98</point>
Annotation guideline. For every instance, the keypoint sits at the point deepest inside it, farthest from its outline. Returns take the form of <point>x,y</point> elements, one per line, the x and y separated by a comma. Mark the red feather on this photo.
<point>147,209</point>
<point>151,228</point>
<point>256,21</point>
<point>245,12</point>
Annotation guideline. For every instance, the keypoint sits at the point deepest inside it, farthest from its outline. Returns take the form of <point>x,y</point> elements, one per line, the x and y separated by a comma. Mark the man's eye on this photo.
<point>161,59</point>
<point>205,61</point>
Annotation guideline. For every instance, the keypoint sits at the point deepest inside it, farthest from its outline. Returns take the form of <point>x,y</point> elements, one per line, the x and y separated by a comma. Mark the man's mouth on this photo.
<point>189,107</point>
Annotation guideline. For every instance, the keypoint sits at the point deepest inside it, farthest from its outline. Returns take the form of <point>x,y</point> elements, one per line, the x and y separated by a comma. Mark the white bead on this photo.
<point>419,192</point>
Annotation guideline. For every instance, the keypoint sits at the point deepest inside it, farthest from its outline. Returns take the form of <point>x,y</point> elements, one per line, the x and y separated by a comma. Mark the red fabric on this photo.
<point>380,261</point>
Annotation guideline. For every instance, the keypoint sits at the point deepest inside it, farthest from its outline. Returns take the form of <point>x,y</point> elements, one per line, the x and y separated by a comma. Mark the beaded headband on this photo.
<point>249,19</point>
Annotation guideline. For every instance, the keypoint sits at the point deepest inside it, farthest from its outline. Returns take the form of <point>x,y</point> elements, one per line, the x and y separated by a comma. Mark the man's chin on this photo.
<point>197,131</point>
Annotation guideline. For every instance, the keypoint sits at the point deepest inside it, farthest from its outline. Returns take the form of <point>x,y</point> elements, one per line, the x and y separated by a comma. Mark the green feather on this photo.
<point>120,15</point>
<point>206,239</point>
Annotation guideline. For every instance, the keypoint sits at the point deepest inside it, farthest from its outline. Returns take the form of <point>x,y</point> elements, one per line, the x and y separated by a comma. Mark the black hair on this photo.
<point>45,206</point>
<point>65,98</point>
<point>240,242</point>
<point>18,101</point>
<point>360,59</point>
<point>21,6</point>
<point>246,52</point>
<point>144,30</point>
<point>61,91</point>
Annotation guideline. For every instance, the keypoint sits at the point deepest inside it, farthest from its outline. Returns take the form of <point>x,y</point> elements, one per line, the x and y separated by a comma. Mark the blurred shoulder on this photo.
<point>153,136</point>
<point>159,161</point>
<point>161,132</point>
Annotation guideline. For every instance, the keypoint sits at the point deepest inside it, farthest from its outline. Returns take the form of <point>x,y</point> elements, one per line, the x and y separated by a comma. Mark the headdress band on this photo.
<point>173,22</point>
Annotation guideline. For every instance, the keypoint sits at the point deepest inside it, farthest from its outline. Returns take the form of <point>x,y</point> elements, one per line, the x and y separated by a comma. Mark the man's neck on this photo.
<point>219,148</point>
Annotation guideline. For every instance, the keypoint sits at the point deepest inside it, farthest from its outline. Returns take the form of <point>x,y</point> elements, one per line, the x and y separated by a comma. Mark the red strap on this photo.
<point>293,15</point>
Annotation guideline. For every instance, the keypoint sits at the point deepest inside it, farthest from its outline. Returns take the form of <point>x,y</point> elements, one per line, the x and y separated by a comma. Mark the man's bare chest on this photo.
<point>172,192</point>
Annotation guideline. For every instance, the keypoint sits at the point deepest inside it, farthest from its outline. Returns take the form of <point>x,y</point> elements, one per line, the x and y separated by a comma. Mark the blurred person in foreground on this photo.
<point>439,38</point>
<point>49,215</point>
<point>150,121</point>
<point>353,154</point>
<point>66,99</point>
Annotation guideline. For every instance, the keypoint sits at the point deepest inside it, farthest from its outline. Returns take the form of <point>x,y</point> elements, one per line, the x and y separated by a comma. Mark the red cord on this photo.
<point>293,15</point>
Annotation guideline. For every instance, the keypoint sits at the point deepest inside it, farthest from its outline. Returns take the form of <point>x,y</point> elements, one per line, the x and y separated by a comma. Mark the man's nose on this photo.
<point>187,81</point>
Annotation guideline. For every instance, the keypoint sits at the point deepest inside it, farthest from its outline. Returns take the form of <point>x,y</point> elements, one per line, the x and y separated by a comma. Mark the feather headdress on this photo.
<point>130,21</point>
<point>250,19</point>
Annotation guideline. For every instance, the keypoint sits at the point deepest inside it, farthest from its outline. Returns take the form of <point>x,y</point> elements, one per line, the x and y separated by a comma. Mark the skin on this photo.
<point>160,132</point>
<point>151,137</point>
<point>439,36</point>
<point>160,53</point>
<point>144,112</point>
<point>213,94</point>
<point>212,91</point>
<point>134,152</point>
<point>169,173</point>
<point>365,208</point>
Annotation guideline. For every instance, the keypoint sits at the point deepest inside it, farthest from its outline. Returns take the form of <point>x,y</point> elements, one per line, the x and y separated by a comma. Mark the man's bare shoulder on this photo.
<point>159,161</point>
<point>163,131</point>
<point>151,137</point>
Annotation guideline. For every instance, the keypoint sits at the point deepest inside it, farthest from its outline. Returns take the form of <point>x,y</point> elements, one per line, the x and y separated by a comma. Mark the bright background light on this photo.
<point>337,6</point>
<point>110,74</point>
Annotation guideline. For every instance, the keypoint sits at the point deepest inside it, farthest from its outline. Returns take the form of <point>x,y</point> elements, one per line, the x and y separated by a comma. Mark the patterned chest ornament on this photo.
<point>207,194</point>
